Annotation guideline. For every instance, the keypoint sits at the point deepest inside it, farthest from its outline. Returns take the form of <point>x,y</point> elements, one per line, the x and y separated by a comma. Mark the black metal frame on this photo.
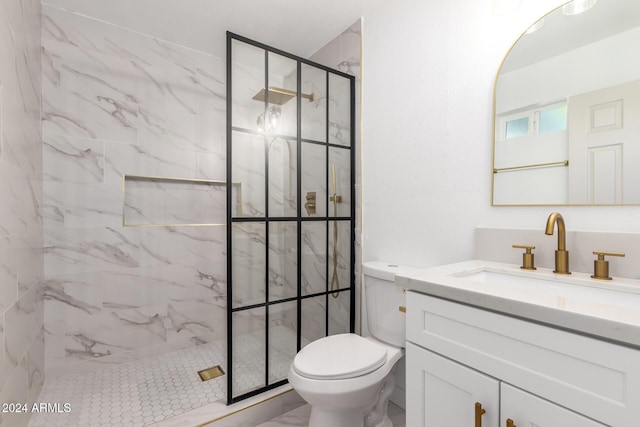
<point>298,219</point>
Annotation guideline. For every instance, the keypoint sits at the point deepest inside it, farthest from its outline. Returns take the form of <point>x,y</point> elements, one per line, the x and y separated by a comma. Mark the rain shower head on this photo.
<point>279,96</point>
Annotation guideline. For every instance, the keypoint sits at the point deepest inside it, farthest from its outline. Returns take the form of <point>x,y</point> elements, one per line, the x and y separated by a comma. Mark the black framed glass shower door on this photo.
<point>290,210</point>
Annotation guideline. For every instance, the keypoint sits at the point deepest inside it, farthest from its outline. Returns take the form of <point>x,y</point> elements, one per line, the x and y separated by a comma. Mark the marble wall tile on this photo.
<point>30,259</point>
<point>70,204</point>
<point>21,264</point>
<point>15,391</point>
<point>22,326</point>
<point>67,159</point>
<point>21,214</point>
<point>184,246</point>
<point>314,113</point>
<point>249,173</point>
<point>211,166</point>
<point>249,263</point>
<point>339,110</point>
<point>283,199</point>
<point>343,232</point>
<point>313,320</point>
<point>247,80</point>
<point>133,159</point>
<point>5,369</point>
<point>84,101</point>
<point>75,250</point>
<point>340,164</point>
<point>314,257</point>
<point>283,260</point>
<point>314,175</point>
<point>8,273</point>
<point>158,202</point>
<point>339,312</point>
<point>34,365</point>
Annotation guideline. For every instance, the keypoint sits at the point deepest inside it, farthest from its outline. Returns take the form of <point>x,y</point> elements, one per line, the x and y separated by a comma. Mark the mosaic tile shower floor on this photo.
<point>146,391</point>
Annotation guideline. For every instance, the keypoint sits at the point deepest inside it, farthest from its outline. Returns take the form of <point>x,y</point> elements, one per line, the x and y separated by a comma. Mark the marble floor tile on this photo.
<point>151,390</point>
<point>299,417</point>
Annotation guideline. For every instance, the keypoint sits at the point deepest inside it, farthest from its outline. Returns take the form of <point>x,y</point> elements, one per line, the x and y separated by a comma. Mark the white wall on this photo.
<point>428,75</point>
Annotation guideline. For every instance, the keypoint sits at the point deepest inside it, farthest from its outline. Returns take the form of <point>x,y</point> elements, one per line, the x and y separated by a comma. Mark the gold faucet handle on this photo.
<point>601,266</point>
<point>527,257</point>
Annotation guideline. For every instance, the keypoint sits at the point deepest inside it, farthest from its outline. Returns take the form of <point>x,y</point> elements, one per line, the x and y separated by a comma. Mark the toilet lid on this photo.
<point>339,357</point>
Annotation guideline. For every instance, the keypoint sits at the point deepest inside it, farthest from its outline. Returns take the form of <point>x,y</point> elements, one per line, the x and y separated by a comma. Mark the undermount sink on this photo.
<point>573,301</point>
<point>566,292</point>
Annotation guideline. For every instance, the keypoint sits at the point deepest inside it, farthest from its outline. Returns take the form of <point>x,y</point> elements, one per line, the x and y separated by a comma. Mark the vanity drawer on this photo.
<point>589,376</point>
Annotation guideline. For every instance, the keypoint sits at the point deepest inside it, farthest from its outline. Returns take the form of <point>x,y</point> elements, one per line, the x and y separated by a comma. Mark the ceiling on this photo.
<point>300,27</point>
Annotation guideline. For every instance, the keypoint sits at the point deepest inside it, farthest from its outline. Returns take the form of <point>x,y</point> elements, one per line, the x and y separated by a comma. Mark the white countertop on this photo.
<point>606,309</point>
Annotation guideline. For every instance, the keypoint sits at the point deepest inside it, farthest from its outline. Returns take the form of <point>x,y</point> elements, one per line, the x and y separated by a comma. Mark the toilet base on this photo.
<point>375,416</point>
<point>352,418</point>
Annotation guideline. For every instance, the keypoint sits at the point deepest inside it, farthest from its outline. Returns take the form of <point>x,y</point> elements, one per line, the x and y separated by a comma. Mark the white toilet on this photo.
<point>347,379</point>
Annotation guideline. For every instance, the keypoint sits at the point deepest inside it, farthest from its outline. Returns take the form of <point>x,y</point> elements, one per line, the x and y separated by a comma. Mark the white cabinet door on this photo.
<point>527,410</point>
<point>441,392</point>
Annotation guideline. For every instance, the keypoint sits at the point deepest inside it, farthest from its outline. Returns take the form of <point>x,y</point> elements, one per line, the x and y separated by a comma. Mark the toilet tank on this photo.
<point>383,301</point>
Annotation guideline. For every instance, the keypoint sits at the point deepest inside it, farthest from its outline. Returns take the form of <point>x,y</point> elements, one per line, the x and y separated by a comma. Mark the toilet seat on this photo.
<point>339,357</point>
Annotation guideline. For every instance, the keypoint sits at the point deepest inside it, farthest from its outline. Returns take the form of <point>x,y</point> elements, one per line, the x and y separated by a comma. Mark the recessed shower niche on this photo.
<point>290,234</point>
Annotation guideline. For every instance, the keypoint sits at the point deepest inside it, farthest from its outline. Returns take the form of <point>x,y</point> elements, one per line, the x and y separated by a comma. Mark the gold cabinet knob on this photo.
<point>601,266</point>
<point>510,423</point>
<point>527,257</point>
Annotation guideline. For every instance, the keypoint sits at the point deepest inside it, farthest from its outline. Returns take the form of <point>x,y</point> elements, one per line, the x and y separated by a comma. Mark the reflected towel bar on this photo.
<point>539,165</point>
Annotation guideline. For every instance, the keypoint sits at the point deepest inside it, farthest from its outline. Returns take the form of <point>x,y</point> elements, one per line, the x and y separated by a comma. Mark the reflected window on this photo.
<point>553,119</point>
<point>538,121</point>
<point>517,127</point>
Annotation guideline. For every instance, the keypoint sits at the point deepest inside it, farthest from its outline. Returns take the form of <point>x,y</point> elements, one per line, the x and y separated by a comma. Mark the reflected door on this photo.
<point>604,126</point>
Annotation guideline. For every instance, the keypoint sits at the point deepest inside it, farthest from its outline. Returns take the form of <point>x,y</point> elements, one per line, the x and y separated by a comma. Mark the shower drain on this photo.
<point>211,373</point>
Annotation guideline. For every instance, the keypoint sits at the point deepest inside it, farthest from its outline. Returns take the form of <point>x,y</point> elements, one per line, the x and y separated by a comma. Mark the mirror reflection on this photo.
<point>567,109</point>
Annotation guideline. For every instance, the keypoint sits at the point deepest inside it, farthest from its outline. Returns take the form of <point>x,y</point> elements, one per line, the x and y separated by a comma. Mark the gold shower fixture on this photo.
<point>310,206</point>
<point>279,95</point>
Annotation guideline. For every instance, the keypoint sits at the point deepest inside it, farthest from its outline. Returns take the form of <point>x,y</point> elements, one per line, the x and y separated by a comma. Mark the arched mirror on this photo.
<point>567,109</point>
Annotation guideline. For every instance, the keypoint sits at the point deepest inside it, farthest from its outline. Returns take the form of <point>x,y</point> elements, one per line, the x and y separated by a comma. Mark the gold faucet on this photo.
<point>562,254</point>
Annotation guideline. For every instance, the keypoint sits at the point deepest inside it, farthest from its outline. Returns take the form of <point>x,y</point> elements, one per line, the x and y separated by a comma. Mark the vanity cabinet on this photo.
<point>441,392</point>
<point>525,409</point>
<point>517,370</point>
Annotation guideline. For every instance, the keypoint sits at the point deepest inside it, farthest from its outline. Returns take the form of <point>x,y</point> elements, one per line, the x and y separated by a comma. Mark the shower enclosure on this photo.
<point>290,210</point>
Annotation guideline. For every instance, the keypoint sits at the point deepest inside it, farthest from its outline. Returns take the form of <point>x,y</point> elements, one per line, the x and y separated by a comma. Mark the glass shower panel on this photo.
<point>247,71</point>
<point>284,234</point>
<point>283,339</point>
<point>314,257</point>
<point>282,113</point>
<point>339,314</point>
<point>314,178</point>
<point>248,175</point>
<point>313,325</point>
<point>339,182</point>
<point>249,350</point>
<point>339,255</point>
<point>283,260</point>
<point>283,181</point>
<point>314,110</point>
<point>248,263</point>
<point>339,110</point>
